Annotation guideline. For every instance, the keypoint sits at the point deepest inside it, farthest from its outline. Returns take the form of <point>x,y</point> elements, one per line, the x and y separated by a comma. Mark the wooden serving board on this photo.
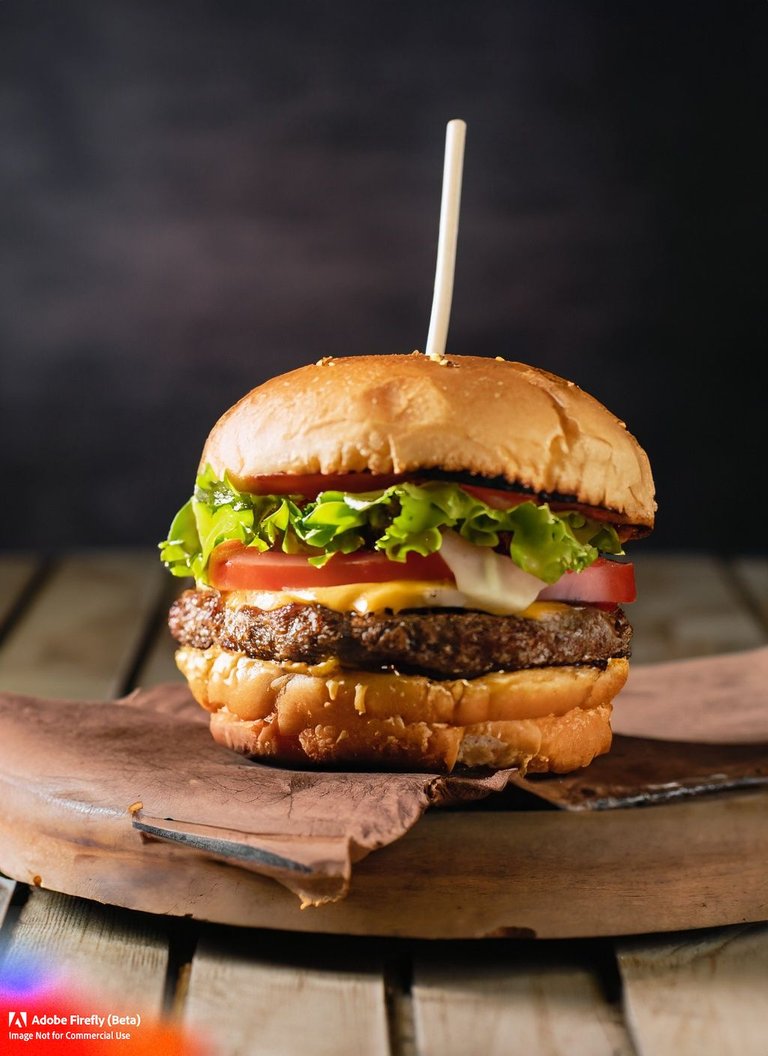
<point>479,874</point>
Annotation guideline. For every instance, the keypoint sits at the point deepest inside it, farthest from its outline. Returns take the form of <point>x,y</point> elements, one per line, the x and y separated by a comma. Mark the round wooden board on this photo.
<point>457,874</point>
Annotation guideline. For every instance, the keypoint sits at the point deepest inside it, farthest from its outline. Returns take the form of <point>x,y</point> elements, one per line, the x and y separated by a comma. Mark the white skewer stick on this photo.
<point>455,134</point>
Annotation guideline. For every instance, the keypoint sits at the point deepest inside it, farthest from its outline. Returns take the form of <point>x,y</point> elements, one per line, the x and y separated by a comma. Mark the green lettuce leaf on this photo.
<point>403,519</point>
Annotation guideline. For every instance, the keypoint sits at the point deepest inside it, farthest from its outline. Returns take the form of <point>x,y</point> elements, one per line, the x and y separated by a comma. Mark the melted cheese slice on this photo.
<point>375,597</point>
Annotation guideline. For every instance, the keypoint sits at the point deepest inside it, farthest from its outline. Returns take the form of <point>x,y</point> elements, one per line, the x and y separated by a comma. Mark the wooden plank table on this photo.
<point>92,625</point>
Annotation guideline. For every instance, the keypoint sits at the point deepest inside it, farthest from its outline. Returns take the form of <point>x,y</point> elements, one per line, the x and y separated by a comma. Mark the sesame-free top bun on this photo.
<point>402,413</point>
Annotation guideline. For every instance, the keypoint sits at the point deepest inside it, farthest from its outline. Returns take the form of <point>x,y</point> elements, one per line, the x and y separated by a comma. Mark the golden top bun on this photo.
<point>468,414</point>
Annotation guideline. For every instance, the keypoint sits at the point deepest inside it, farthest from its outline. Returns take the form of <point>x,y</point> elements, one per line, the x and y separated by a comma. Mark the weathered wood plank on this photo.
<point>538,1001</point>
<point>16,573</point>
<point>705,993</point>
<point>81,635</point>
<point>402,1029</point>
<point>158,664</point>
<point>108,954</point>
<point>752,576</point>
<point>267,1002</point>
<point>688,606</point>
<point>697,994</point>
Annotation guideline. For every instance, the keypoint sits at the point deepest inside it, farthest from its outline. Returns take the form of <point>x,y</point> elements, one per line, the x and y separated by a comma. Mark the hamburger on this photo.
<point>406,562</point>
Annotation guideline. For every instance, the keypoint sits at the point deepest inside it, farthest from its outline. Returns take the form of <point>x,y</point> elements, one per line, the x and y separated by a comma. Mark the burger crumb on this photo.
<point>325,360</point>
<point>441,361</point>
<point>135,807</point>
<point>360,691</point>
<point>37,881</point>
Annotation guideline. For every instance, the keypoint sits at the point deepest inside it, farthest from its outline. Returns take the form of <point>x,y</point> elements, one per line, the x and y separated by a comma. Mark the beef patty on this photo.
<point>441,643</point>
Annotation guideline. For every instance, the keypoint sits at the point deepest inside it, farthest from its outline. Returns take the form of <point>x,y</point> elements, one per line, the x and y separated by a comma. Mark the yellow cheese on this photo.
<point>355,597</point>
<point>539,609</point>
<point>375,597</point>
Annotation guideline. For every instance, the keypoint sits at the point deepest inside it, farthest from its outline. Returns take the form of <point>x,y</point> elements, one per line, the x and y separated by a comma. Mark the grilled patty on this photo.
<point>441,643</point>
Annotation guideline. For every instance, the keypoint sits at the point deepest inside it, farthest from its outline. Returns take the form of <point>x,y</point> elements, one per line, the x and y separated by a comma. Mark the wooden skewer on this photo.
<point>446,243</point>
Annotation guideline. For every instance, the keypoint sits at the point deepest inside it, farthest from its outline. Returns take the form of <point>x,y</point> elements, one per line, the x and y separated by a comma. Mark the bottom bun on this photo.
<point>540,719</point>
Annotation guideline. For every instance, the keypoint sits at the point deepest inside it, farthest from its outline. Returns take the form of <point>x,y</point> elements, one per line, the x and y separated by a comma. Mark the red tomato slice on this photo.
<point>498,498</point>
<point>237,567</point>
<point>311,484</point>
<point>604,581</point>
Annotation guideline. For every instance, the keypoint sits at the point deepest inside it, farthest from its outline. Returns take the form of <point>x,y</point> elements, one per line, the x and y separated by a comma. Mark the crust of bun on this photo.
<point>558,743</point>
<point>404,413</point>
<point>552,718</point>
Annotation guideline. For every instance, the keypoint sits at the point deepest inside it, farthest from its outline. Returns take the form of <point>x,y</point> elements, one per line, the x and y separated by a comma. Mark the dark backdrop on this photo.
<point>198,195</point>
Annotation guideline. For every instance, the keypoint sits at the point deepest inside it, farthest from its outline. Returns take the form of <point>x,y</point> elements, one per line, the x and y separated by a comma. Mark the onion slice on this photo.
<point>488,580</point>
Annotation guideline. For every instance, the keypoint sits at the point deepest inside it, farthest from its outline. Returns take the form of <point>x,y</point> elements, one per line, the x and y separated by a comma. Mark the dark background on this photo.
<point>198,195</point>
